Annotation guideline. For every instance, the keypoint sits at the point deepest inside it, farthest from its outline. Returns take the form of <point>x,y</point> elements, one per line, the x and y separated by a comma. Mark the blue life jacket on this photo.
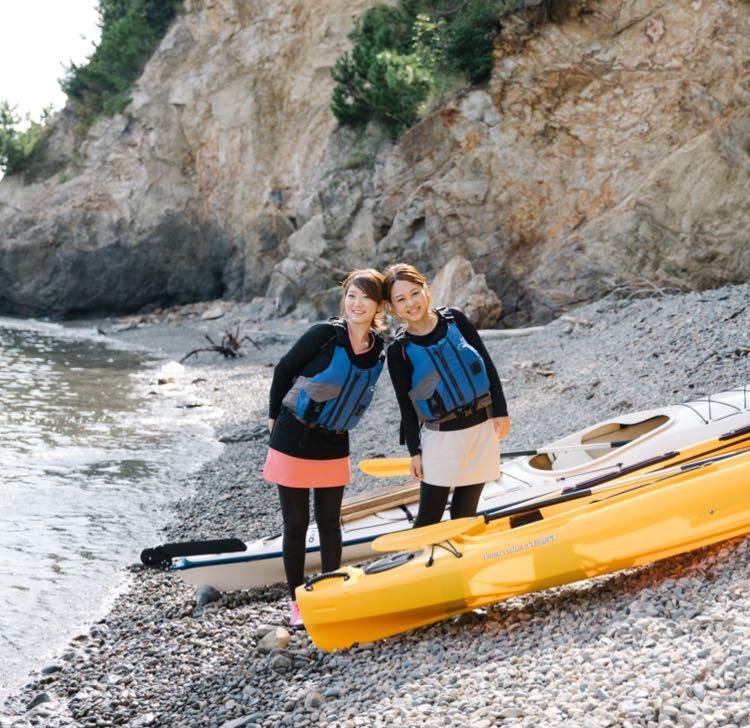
<point>450,378</point>
<point>336,398</point>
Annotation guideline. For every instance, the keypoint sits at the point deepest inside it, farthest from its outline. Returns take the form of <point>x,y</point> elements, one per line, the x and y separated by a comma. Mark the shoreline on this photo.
<point>664,643</point>
<point>147,443</point>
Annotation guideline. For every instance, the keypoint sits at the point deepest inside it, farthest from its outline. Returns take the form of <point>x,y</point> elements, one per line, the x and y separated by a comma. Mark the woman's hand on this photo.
<point>271,423</point>
<point>502,426</point>
<point>415,467</point>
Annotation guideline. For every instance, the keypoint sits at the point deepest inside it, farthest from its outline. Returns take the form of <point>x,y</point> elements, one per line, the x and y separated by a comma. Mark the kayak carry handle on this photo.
<point>321,577</point>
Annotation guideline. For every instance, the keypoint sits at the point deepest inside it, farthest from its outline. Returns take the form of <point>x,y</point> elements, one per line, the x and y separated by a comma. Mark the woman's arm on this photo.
<point>400,372</point>
<point>293,362</point>
<point>499,406</point>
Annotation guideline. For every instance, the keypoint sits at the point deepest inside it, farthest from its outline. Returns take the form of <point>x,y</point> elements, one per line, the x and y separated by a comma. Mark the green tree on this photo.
<point>405,57</point>
<point>130,31</point>
<point>18,145</point>
<point>468,40</point>
<point>379,79</point>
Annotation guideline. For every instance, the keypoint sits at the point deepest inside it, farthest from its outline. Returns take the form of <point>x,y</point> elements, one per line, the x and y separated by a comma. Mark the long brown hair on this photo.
<point>402,272</point>
<point>370,282</point>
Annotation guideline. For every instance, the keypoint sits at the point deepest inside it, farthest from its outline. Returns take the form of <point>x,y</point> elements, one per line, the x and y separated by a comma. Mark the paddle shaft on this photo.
<point>568,448</point>
<point>562,496</point>
<point>399,467</point>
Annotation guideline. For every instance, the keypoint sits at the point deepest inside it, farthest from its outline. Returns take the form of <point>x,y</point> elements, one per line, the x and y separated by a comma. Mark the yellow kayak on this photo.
<point>457,566</point>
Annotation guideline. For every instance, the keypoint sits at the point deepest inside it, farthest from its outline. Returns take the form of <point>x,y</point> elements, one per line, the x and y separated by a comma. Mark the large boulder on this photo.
<point>456,284</point>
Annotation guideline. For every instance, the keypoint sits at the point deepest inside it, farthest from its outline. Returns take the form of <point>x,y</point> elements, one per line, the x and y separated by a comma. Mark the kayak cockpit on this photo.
<point>609,432</point>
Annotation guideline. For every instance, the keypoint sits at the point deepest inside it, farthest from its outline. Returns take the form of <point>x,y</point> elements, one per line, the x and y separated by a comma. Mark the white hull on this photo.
<point>652,433</point>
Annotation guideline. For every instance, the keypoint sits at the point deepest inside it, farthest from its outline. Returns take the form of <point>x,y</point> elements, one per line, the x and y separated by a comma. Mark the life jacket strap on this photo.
<point>313,426</point>
<point>483,403</point>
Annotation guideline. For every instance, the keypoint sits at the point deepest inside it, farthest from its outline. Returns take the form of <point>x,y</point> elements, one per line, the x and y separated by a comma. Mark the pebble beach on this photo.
<point>666,644</point>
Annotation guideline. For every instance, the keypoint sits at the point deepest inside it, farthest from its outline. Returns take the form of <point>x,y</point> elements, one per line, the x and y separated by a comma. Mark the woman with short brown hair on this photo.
<point>453,411</point>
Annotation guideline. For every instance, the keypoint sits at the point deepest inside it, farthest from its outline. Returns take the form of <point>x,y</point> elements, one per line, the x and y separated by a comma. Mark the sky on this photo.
<point>38,38</point>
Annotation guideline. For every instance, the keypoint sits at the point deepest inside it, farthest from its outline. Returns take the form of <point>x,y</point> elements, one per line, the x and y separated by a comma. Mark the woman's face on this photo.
<point>359,308</point>
<point>410,301</point>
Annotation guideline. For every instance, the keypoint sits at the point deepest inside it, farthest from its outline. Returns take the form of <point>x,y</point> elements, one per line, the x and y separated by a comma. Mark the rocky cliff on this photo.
<point>610,150</point>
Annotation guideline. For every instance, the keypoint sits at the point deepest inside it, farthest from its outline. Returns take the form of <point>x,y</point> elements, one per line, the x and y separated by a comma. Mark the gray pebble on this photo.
<point>205,595</point>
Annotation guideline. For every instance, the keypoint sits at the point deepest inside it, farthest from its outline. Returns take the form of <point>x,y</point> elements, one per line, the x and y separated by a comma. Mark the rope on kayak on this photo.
<point>446,546</point>
<point>409,516</point>
<point>715,402</point>
<point>690,407</point>
<point>321,577</point>
<point>520,480</point>
<point>745,391</point>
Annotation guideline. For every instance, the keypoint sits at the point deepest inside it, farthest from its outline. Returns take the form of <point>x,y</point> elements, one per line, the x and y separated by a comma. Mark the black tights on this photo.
<point>295,510</point>
<point>433,499</point>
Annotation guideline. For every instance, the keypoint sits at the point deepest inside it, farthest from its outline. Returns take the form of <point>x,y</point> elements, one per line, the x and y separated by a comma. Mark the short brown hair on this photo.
<point>370,282</point>
<point>401,272</point>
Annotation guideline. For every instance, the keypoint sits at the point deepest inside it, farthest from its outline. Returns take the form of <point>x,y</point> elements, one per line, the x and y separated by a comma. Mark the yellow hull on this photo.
<point>616,528</point>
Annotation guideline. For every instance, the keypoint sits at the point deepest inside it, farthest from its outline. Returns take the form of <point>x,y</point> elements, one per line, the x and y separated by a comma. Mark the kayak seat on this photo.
<point>609,432</point>
<point>380,499</point>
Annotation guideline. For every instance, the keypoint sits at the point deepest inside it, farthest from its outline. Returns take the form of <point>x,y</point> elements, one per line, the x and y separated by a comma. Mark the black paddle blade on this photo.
<point>160,557</point>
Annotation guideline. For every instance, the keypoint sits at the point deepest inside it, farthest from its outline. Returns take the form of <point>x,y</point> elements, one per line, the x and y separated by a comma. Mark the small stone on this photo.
<point>214,312</point>
<point>313,700</point>
<point>280,663</point>
<point>277,638</point>
<point>237,722</point>
<point>205,595</point>
<point>38,700</point>
<point>51,669</point>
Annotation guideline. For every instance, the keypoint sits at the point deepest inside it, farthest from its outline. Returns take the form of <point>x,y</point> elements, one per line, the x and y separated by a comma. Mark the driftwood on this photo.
<point>577,320</point>
<point>230,346</point>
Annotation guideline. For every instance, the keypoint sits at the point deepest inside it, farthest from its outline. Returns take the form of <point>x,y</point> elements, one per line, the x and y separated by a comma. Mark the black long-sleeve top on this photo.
<point>310,355</point>
<point>401,371</point>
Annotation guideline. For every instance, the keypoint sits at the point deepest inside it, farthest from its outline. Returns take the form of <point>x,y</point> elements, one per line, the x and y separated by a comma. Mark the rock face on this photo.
<point>458,285</point>
<point>192,192</point>
<point>610,150</point>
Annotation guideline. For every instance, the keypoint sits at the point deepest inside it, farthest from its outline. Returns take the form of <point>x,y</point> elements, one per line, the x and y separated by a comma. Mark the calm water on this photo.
<point>88,460</point>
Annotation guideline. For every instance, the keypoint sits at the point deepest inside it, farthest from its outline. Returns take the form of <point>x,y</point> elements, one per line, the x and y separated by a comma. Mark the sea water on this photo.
<point>92,449</point>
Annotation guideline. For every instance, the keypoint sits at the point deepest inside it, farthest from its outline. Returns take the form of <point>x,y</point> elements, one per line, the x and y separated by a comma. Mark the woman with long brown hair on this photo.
<point>453,411</point>
<point>320,390</point>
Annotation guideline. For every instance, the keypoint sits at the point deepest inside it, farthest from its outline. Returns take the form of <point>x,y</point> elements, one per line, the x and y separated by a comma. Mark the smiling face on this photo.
<point>359,308</point>
<point>410,301</point>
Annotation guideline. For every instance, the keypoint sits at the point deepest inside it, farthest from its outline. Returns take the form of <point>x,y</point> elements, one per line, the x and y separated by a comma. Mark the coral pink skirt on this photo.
<point>303,473</point>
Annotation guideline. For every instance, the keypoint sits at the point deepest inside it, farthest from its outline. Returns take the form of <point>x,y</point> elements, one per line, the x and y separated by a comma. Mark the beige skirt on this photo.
<point>461,457</point>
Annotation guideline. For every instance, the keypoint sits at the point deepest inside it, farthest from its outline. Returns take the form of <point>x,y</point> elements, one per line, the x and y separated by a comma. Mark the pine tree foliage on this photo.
<point>403,55</point>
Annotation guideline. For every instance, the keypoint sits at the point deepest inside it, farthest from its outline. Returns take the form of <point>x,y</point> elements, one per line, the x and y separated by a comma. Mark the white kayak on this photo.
<point>652,435</point>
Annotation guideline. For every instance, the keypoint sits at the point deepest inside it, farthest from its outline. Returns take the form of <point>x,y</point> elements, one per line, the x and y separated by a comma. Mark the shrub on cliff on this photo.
<point>404,55</point>
<point>131,29</point>
<point>20,147</point>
